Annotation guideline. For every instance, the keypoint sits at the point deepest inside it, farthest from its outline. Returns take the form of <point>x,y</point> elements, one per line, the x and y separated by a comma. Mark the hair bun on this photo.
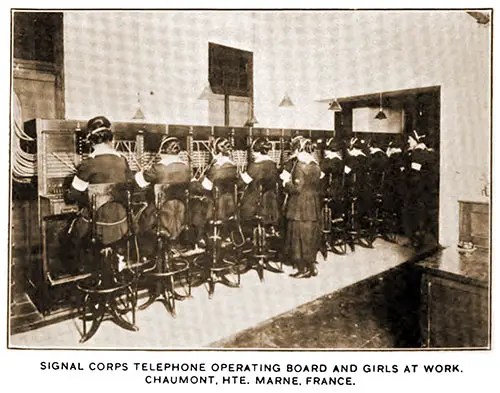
<point>261,145</point>
<point>221,144</point>
<point>98,122</point>
<point>171,145</point>
<point>99,130</point>
<point>306,145</point>
<point>331,144</point>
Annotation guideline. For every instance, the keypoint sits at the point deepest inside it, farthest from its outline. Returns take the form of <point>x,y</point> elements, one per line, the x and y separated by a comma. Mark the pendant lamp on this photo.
<point>253,119</point>
<point>251,122</point>
<point>286,101</point>
<point>380,115</point>
<point>139,114</point>
<point>334,106</point>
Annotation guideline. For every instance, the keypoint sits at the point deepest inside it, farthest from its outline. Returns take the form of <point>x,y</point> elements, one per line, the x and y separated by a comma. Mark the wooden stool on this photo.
<point>109,292</point>
<point>213,267</point>
<point>162,277</point>
<point>259,256</point>
<point>333,230</point>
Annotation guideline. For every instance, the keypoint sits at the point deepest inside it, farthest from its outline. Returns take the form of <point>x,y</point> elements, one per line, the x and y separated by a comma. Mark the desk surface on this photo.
<point>471,267</point>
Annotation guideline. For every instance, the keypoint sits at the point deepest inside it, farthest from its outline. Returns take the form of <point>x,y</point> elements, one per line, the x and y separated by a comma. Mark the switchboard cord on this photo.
<point>23,163</point>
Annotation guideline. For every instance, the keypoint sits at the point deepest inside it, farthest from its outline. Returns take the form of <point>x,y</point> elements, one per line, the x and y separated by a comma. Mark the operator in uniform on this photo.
<point>218,185</point>
<point>174,172</point>
<point>332,165</point>
<point>358,190</point>
<point>420,188</point>
<point>303,209</point>
<point>260,181</point>
<point>103,165</point>
<point>395,181</point>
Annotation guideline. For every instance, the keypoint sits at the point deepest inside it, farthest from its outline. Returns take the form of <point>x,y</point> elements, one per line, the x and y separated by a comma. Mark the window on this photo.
<point>230,70</point>
<point>37,35</point>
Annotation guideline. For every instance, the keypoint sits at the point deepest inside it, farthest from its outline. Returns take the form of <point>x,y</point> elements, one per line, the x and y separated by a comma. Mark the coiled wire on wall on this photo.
<point>23,162</point>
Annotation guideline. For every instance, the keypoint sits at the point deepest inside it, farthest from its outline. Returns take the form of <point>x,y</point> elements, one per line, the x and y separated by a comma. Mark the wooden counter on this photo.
<point>454,310</point>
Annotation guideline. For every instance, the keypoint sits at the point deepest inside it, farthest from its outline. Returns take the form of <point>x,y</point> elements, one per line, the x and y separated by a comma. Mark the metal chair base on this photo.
<point>107,301</point>
<point>210,273</point>
<point>259,262</point>
<point>161,285</point>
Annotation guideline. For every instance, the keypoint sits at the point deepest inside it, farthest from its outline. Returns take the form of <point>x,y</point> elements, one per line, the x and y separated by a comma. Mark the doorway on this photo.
<point>421,112</point>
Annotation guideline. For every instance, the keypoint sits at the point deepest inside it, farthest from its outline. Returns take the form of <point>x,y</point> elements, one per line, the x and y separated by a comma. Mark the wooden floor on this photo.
<point>216,322</point>
<point>379,312</point>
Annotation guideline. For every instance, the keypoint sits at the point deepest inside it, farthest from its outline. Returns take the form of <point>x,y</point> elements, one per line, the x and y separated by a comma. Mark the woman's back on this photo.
<point>304,190</point>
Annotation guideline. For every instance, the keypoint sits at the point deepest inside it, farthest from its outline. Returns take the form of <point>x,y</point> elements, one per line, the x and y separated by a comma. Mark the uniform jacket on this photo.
<point>170,170</point>
<point>104,165</point>
<point>260,172</point>
<point>421,176</point>
<point>223,175</point>
<point>378,168</point>
<point>332,165</point>
<point>175,173</point>
<point>356,171</point>
<point>304,191</point>
<point>395,179</point>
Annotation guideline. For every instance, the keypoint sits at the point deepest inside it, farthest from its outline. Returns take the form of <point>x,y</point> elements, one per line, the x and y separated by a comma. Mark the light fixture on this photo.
<point>251,122</point>
<point>380,115</point>
<point>207,93</point>
<point>286,101</point>
<point>139,114</point>
<point>334,106</point>
<point>251,108</point>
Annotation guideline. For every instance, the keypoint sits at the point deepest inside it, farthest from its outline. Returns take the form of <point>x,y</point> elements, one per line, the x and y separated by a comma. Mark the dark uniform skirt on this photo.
<point>225,206</point>
<point>111,223</point>
<point>302,238</point>
<point>302,241</point>
<point>171,217</point>
<point>269,209</point>
<point>110,229</point>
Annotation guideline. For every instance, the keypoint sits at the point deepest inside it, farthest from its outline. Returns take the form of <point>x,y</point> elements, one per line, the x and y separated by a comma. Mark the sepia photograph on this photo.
<point>250,179</point>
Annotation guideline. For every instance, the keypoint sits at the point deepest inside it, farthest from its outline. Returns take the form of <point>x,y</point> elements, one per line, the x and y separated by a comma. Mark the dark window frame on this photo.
<point>230,70</point>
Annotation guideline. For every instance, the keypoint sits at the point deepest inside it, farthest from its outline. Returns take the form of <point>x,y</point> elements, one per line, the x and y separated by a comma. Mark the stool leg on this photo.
<point>84,314</point>
<point>98,312</point>
<point>124,303</point>
<point>154,290</point>
<point>211,287</point>
<point>260,269</point>
<point>269,267</point>
<point>229,283</point>
<point>168,298</point>
<point>117,318</point>
<point>172,295</point>
<point>133,301</point>
<point>175,293</point>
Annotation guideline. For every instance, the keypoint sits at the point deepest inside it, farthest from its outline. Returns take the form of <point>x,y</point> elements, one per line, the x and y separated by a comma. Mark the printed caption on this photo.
<point>249,373</point>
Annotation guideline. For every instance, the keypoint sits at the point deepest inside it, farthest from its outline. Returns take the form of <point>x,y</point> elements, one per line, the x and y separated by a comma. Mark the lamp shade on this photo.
<point>286,101</point>
<point>139,115</point>
<point>334,106</point>
<point>380,115</point>
<point>251,122</point>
